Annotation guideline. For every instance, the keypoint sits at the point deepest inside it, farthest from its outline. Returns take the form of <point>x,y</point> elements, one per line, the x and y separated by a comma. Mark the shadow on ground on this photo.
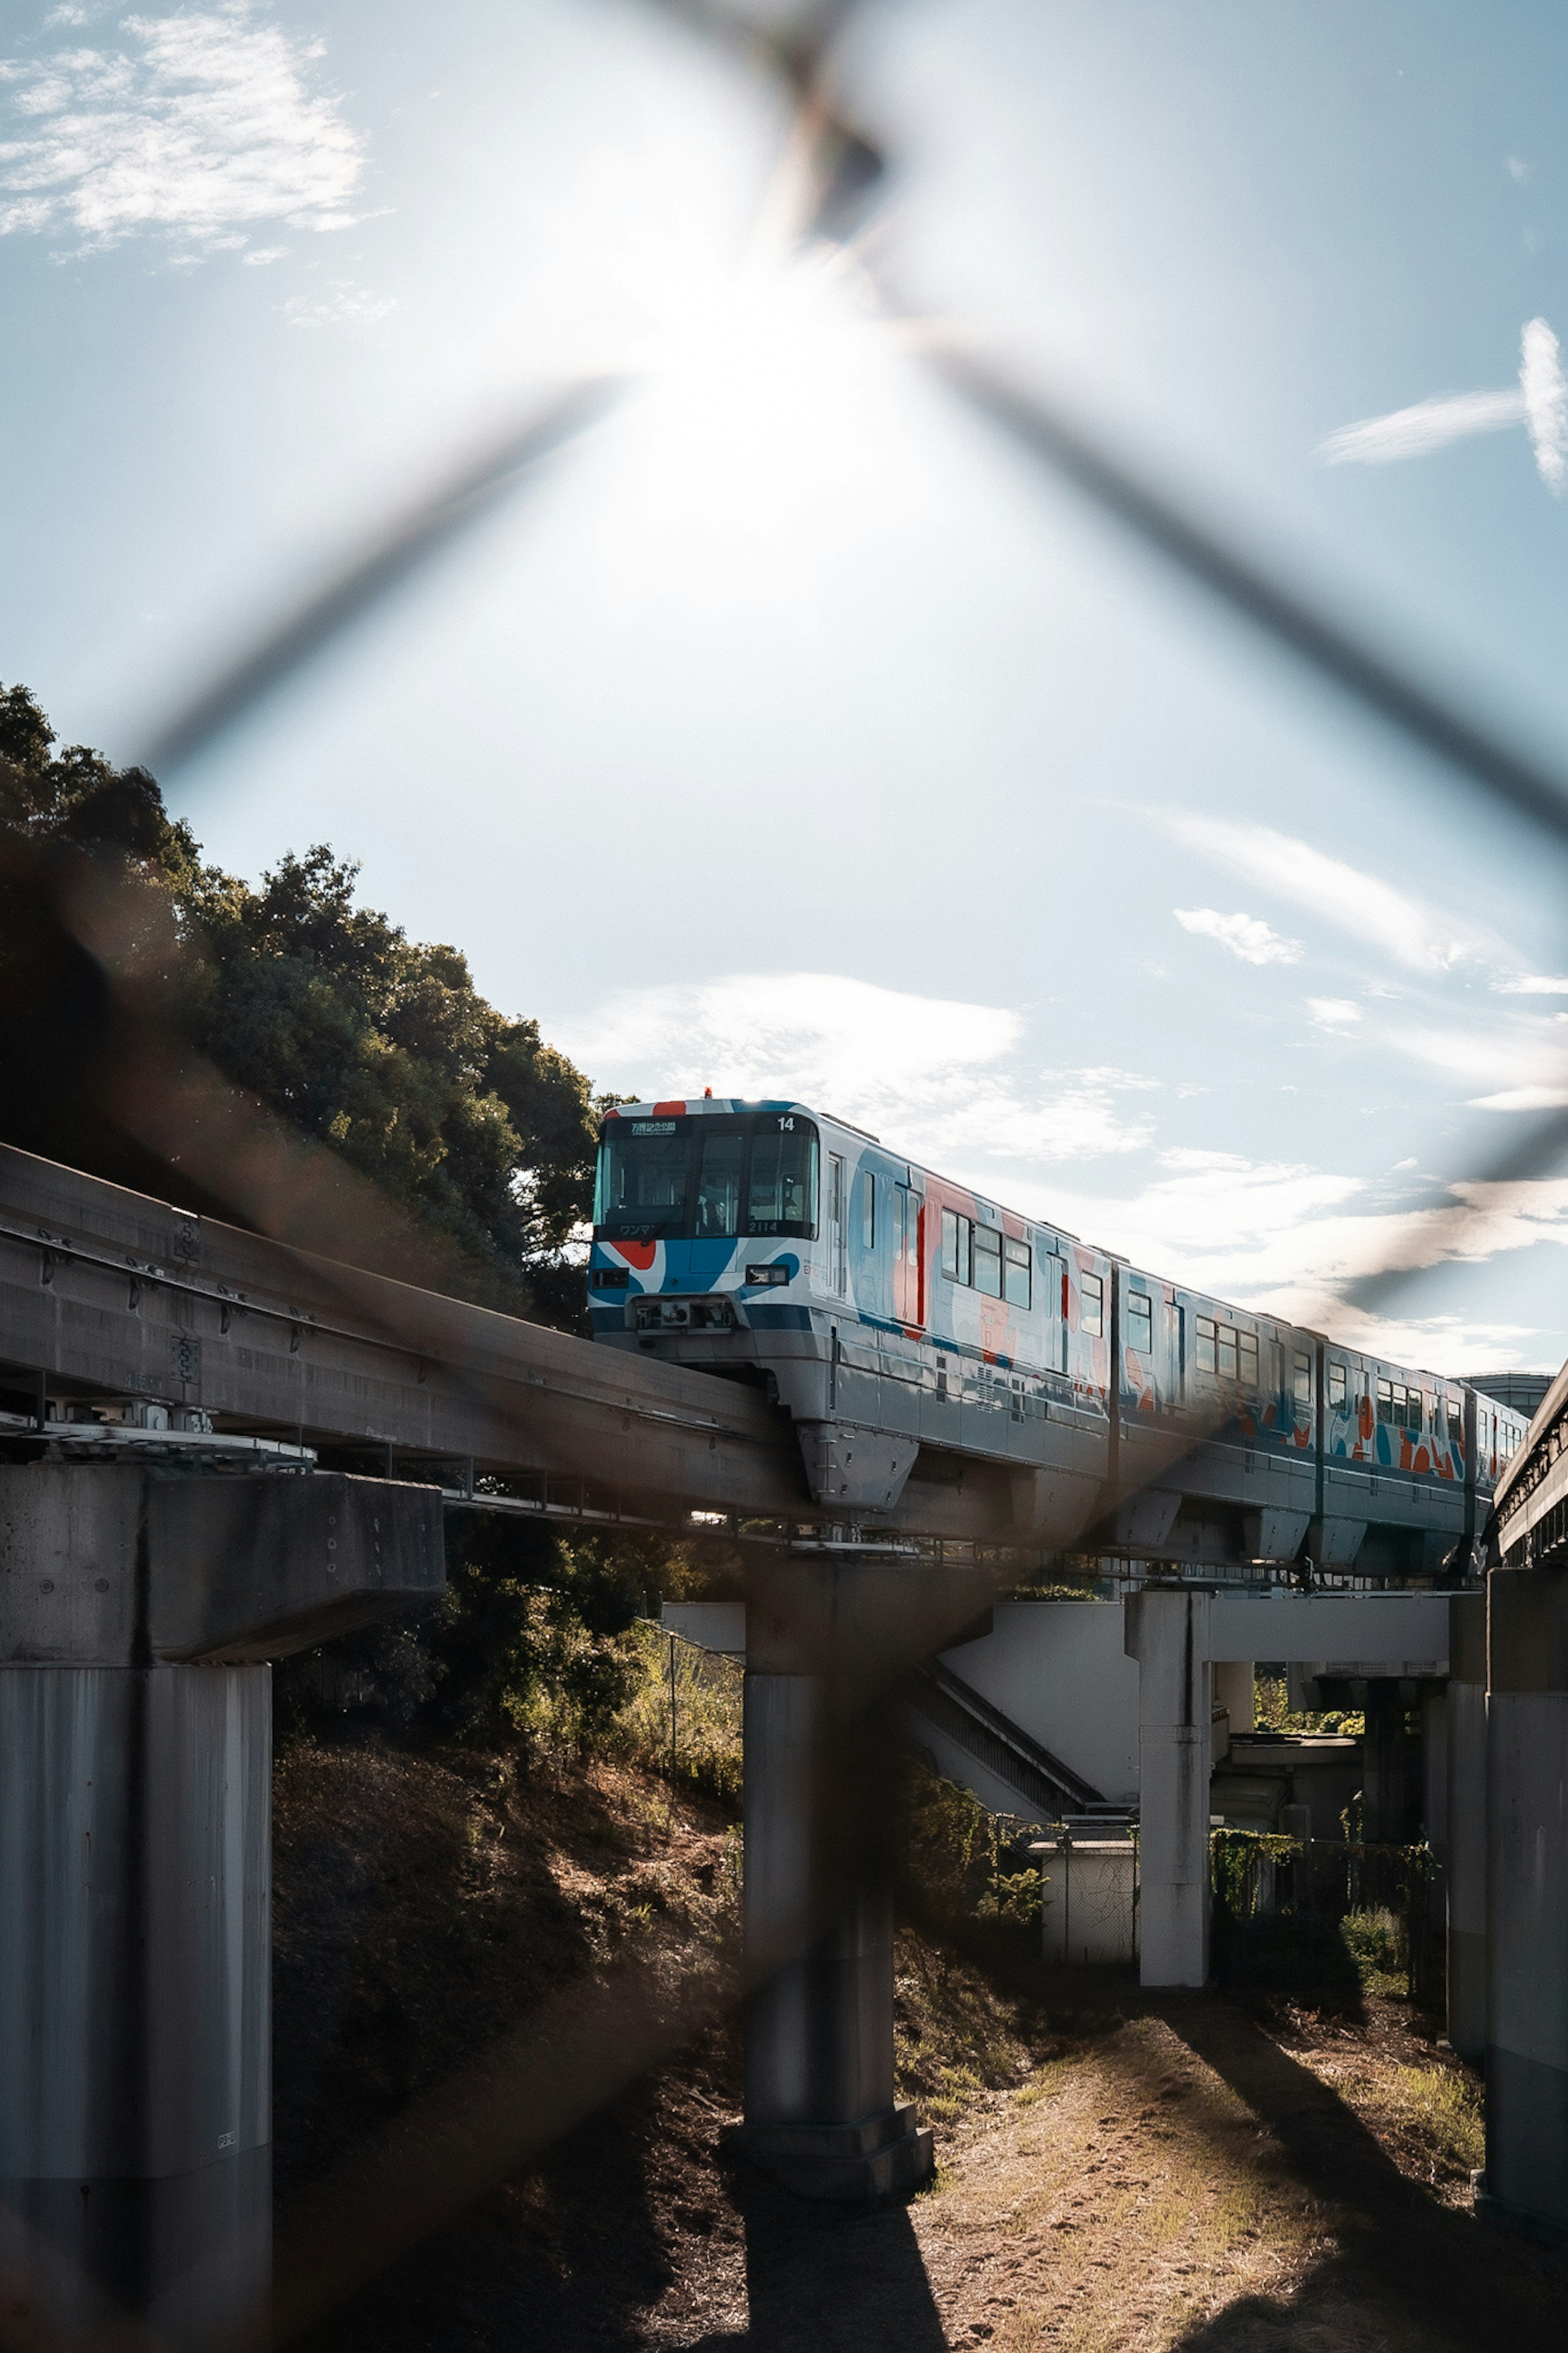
<point>1401,2255</point>
<point>830,2279</point>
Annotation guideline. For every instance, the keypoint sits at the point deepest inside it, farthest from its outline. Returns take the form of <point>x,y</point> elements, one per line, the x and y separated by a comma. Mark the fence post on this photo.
<point>672,1731</point>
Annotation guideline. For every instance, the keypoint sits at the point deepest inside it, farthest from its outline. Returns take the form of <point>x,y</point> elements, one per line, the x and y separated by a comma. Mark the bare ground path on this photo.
<point>1119,2174</point>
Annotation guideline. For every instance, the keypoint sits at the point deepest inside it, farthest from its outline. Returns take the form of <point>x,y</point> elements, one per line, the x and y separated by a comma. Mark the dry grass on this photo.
<point>1125,2193</point>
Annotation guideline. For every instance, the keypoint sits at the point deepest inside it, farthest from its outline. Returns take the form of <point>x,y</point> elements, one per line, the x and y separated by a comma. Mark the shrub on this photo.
<point>708,1752</point>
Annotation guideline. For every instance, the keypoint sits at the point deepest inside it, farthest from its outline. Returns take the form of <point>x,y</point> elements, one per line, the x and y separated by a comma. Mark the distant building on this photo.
<point>1522,1391</point>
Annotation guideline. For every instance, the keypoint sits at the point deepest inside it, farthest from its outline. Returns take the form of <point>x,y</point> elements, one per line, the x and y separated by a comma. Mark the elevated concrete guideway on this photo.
<point>112,1294</point>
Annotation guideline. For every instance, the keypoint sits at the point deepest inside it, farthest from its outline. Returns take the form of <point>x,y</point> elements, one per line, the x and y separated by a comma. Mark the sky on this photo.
<point>790,735</point>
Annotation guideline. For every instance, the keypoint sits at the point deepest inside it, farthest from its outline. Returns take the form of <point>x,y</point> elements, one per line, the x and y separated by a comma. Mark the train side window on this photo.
<point>1141,1323</point>
<point>956,1246</point>
<point>1206,1343</point>
<point>1017,1272</point>
<point>1225,1340</point>
<point>868,1211</point>
<point>1455,1422</point>
<point>1247,1349</point>
<point>1092,1306</point>
<point>1336,1385</point>
<point>1385,1401</point>
<point>1301,1378</point>
<point>987,1248</point>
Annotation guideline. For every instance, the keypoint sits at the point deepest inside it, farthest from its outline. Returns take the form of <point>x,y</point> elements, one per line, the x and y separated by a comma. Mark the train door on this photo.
<point>1055,1289</point>
<point>838,1208</point>
<point>1178,1352</point>
<point>909,1307</point>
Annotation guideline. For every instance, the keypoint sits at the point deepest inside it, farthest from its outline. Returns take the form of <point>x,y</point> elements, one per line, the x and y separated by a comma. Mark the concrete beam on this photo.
<point>1364,1634</point>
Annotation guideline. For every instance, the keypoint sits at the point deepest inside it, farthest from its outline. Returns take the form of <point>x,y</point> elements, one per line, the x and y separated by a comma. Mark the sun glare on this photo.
<point>757,404</point>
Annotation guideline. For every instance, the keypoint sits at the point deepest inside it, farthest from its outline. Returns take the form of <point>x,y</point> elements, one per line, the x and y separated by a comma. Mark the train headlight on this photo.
<point>773,1271</point>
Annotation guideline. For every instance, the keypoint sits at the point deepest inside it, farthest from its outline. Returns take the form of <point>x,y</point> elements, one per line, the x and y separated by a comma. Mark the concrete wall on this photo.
<point>1090,1914</point>
<point>1059,1671</point>
<point>713,1625</point>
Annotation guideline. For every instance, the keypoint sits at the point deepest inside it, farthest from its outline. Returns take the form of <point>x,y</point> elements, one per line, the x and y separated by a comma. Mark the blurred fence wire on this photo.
<point>833,177</point>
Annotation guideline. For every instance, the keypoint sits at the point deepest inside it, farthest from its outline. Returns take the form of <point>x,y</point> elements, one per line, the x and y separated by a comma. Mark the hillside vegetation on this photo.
<point>319,1011</point>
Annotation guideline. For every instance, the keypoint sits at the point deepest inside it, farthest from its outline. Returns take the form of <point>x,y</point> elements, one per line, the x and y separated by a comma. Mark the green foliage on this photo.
<point>385,1049</point>
<point>1378,1943</point>
<point>948,1841</point>
<point>1014,1897</point>
<point>1275,1714</point>
<point>708,1752</point>
<point>74,800</point>
<point>957,1853</point>
<point>323,1010</point>
<point>526,1645</point>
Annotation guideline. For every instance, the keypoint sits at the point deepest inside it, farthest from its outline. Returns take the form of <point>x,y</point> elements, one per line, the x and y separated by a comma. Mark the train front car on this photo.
<point>901,1320</point>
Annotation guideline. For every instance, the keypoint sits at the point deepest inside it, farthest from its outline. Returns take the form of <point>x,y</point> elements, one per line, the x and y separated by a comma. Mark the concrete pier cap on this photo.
<point>138,1608</point>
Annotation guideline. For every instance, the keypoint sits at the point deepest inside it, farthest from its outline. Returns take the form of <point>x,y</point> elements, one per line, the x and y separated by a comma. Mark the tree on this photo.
<point>321,1010</point>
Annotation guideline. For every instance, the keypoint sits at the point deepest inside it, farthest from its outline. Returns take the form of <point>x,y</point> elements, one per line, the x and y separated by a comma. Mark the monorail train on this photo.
<point>911,1327</point>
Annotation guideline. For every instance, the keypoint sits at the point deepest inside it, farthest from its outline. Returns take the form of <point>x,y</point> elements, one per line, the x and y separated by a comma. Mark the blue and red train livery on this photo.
<point>910,1326</point>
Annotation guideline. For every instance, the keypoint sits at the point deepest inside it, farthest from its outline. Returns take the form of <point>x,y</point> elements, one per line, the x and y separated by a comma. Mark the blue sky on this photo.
<point>792,734</point>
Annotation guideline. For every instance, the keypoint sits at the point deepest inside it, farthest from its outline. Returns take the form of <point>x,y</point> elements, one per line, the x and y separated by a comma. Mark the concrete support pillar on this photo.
<point>1235,1690</point>
<point>1168,1634</point>
<point>1526,2178</point>
<point>819,1926</point>
<point>136,1609</point>
<point>823,1647</point>
<point>1466,1827</point>
<point>135,1964</point>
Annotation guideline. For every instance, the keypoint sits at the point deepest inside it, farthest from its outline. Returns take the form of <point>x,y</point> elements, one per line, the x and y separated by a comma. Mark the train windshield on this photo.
<point>707,1178</point>
<point>644,1175</point>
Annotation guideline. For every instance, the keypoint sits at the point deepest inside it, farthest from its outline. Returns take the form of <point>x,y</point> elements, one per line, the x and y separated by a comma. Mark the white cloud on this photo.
<point>1417,431</point>
<point>1540,403</point>
<point>1295,1241</point>
<point>1521,1064</point>
<point>934,1076</point>
<point>1422,937</point>
<point>1334,1012</point>
<point>343,301</point>
<point>1245,936</point>
<point>1545,402</point>
<point>205,122</point>
<point>1517,170</point>
<point>1533,984</point>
